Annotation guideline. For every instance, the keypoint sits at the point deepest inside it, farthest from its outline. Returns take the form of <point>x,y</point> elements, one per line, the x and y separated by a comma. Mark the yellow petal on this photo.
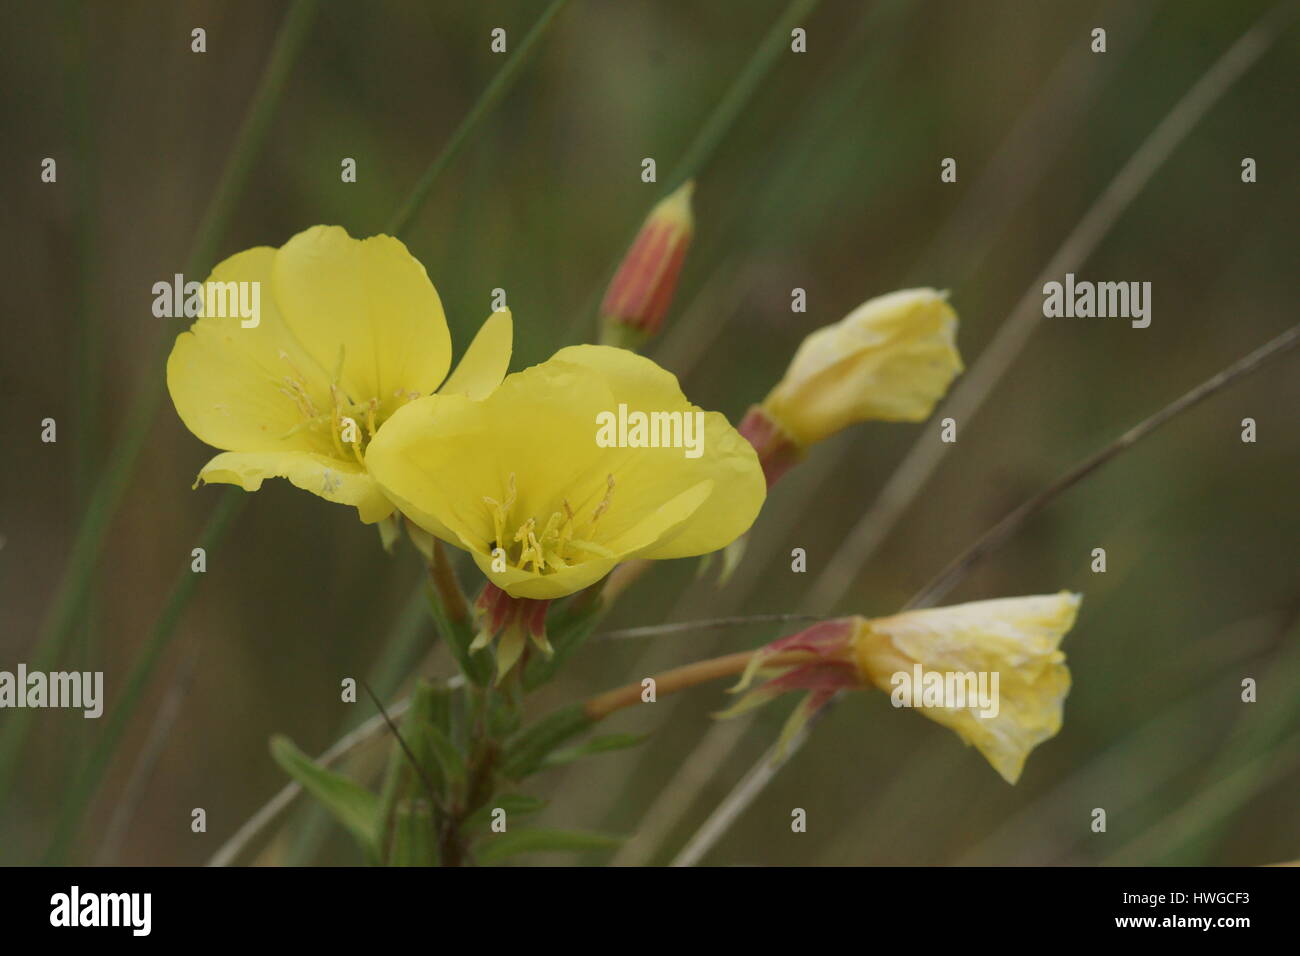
<point>370,302</point>
<point>439,459</point>
<point>247,388</point>
<point>320,474</point>
<point>485,362</point>
<point>890,359</point>
<point>728,460</point>
<point>544,587</point>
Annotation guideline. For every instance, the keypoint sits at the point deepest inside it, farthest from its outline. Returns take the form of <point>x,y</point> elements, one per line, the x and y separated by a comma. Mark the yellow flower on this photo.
<point>890,359</point>
<point>991,670</point>
<point>1017,639</point>
<point>528,481</point>
<point>349,331</point>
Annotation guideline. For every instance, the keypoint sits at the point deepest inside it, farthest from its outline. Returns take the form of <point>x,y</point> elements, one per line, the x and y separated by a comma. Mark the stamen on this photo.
<point>501,512</point>
<point>363,414</point>
<point>604,504</point>
<point>336,422</point>
<point>296,383</point>
<point>551,548</point>
<point>370,415</point>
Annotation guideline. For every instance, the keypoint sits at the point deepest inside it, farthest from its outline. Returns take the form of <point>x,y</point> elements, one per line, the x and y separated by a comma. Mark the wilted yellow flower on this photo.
<point>890,359</point>
<point>569,467</point>
<point>350,330</point>
<point>641,290</point>
<point>990,670</point>
<point>1017,639</point>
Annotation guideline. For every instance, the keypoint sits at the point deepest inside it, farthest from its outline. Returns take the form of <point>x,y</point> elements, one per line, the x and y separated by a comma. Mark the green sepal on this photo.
<point>622,335</point>
<point>390,530</point>
<point>732,555</point>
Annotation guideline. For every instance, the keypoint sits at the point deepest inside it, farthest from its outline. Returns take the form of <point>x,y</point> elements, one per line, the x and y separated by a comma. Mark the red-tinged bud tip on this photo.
<point>777,451</point>
<point>641,291</point>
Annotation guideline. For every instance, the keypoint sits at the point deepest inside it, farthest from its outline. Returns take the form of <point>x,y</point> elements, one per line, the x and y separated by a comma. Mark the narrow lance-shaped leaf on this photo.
<point>497,847</point>
<point>514,804</point>
<point>356,808</point>
<point>527,753</point>
<point>596,745</point>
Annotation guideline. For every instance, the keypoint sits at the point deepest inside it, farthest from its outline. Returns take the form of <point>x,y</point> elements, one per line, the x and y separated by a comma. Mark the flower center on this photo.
<point>561,541</point>
<point>349,423</point>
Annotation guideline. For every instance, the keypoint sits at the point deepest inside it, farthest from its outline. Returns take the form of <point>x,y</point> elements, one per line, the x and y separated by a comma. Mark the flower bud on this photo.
<point>942,661</point>
<point>641,290</point>
<point>890,359</point>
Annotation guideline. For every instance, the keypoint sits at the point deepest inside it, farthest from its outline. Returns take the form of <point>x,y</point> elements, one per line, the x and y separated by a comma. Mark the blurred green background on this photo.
<point>829,181</point>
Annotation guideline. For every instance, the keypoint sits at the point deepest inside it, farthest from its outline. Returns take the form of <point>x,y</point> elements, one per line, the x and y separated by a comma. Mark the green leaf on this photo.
<point>450,762</point>
<point>500,846</point>
<point>415,835</point>
<point>527,752</point>
<point>355,807</point>
<point>596,745</point>
<point>425,732</point>
<point>503,712</point>
<point>429,714</point>
<point>514,804</point>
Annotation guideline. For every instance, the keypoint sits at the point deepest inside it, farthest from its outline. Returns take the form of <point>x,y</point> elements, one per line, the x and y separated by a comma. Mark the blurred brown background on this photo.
<point>828,181</point>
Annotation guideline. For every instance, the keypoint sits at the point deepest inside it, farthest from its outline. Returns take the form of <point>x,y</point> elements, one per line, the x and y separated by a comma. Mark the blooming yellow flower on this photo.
<point>923,658</point>
<point>350,331</point>
<point>522,480</point>
<point>890,359</point>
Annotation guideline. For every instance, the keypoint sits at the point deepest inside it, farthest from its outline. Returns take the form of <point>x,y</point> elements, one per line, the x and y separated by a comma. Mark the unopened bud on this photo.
<point>890,359</point>
<point>639,295</point>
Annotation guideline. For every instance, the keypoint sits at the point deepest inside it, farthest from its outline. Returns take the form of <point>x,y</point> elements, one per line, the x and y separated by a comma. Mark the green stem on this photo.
<point>496,89</point>
<point>87,781</point>
<point>73,589</point>
<point>405,643</point>
<point>716,127</point>
<point>741,91</point>
<point>87,332</point>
